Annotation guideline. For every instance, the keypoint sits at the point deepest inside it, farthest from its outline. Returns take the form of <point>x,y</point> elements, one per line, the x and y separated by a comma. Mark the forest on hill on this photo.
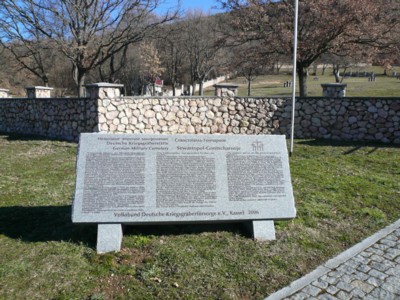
<point>65,44</point>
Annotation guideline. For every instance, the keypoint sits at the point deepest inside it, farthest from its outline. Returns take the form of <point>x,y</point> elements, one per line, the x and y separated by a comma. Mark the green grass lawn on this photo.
<point>343,191</point>
<point>272,85</point>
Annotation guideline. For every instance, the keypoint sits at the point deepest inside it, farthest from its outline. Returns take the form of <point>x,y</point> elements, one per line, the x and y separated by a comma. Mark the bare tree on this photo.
<point>87,32</point>
<point>248,62</point>
<point>150,66</point>
<point>199,37</point>
<point>28,46</point>
<point>172,53</point>
<point>325,26</point>
<point>110,70</point>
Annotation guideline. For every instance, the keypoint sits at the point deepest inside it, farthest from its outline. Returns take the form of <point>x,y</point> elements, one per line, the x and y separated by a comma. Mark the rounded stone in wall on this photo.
<point>149,114</point>
<point>112,115</point>
<point>190,129</point>
<point>352,120</point>
<point>140,126</point>
<point>180,114</point>
<point>102,119</point>
<point>206,130</point>
<point>182,129</point>
<point>153,121</point>
<point>157,108</point>
<point>170,116</point>
<point>173,128</point>
<point>195,120</point>
<point>193,110</point>
<point>174,109</point>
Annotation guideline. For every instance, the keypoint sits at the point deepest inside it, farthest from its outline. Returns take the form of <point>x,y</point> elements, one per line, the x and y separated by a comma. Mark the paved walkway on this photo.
<point>369,270</point>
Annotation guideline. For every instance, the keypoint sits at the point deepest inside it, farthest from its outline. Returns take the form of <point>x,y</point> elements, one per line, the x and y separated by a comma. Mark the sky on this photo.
<point>205,5</point>
<point>202,4</point>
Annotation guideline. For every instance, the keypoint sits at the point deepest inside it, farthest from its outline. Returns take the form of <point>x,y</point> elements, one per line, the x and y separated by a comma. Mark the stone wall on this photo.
<point>356,119</point>
<point>191,115</point>
<point>341,119</point>
<point>61,118</point>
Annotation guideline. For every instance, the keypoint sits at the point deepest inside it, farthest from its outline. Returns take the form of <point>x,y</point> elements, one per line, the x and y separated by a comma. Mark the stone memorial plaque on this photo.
<point>143,179</point>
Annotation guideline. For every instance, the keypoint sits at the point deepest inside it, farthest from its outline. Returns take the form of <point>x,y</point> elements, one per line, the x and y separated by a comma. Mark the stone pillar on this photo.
<point>34,92</point>
<point>226,89</point>
<point>103,93</point>
<point>103,90</point>
<point>334,90</point>
<point>4,93</point>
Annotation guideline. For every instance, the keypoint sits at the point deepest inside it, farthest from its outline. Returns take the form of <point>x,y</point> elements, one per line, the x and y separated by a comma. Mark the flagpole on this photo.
<point>296,17</point>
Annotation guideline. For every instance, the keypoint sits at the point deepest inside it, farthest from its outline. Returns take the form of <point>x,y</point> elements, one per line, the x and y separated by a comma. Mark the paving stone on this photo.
<point>299,296</point>
<point>333,290</point>
<point>381,246</point>
<point>382,266</point>
<point>346,278</point>
<point>369,297</point>
<point>365,287</point>
<point>374,251</point>
<point>388,242</point>
<point>353,264</point>
<point>395,271</point>
<point>345,269</point>
<point>378,258</point>
<point>362,259</point>
<point>336,274</point>
<point>324,277</point>
<point>383,294</point>
<point>366,254</point>
<point>311,290</point>
<point>357,293</point>
<point>393,280</point>
<point>320,284</point>
<point>344,286</point>
<point>395,252</point>
<point>361,276</point>
<point>343,296</point>
<point>377,274</point>
<point>326,297</point>
<point>375,281</point>
<point>391,237</point>
<point>392,285</point>
<point>390,256</point>
<point>331,279</point>
<point>364,268</point>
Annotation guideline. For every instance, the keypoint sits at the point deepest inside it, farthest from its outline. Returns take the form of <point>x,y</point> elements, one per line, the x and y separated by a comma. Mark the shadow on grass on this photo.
<point>11,137</point>
<point>44,224</point>
<point>187,229</point>
<point>53,223</point>
<point>354,145</point>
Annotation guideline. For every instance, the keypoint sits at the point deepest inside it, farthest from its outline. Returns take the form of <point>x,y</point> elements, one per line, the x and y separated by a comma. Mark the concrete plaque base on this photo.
<point>263,230</point>
<point>109,237</point>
